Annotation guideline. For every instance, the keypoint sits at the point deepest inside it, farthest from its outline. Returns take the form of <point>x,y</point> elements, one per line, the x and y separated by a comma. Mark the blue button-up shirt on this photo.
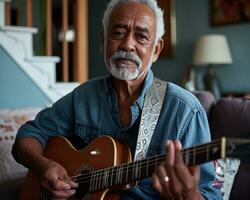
<point>92,110</point>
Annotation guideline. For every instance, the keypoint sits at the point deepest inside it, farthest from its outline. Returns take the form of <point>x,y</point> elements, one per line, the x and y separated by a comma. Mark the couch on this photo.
<point>11,173</point>
<point>228,117</point>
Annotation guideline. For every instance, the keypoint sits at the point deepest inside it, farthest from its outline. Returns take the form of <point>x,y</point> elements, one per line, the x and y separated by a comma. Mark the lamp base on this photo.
<point>212,83</point>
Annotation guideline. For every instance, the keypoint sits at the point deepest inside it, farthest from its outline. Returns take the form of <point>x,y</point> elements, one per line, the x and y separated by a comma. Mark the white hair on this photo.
<point>152,4</point>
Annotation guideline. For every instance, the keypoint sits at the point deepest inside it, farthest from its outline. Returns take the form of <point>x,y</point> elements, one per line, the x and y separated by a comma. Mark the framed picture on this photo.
<point>169,38</point>
<point>229,11</point>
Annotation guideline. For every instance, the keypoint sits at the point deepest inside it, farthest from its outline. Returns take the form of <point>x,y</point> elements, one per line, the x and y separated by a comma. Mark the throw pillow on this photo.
<point>10,121</point>
<point>226,170</point>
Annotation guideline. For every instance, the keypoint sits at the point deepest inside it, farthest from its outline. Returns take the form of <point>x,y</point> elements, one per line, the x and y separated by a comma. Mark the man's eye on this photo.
<point>117,35</point>
<point>142,37</point>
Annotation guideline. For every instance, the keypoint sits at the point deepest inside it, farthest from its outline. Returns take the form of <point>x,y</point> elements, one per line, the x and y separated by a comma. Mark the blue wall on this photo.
<point>192,20</point>
<point>192,17</point>
<point>16,89</point>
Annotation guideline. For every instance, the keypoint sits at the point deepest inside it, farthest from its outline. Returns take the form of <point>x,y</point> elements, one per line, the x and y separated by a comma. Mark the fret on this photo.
<point>99,179</point>
<point>140,169</point>
<point>187,157</point>
<point>102,178</point>
<point>156,164</point>
<point>125,177</point>
<point>117,181</point>
<point>91,182</point>
<point>147,167</point>
<point>130,172</point>
<point>135,164</point>
<point>111,177</point>
<point>143,169</point>
<point>194,156</point>
<point>120,175</point>
<point>127,166</point>
<point>123,173</point>
<point>96,181</point>
<point>116,176</point>
<point>133,172</point>
<point>207,152</point>
<point>137,169</point>
<point>106,175</point>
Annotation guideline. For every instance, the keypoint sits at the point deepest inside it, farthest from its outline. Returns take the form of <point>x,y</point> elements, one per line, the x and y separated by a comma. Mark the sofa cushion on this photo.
<point>10,121</point>
<point>230,117</point>
<point>225,170</point>
<point>206,99</point>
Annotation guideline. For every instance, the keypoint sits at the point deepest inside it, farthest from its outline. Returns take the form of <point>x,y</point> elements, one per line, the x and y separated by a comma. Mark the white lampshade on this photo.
<point>211,49</point>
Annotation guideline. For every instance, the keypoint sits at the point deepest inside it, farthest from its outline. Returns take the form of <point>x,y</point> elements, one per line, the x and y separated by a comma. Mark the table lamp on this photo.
<point>209,50</point>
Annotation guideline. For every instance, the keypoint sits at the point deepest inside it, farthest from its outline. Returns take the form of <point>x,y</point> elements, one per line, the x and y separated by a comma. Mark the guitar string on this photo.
<point>44,195</point>
<point>149,162</point>
<point>184,152</point>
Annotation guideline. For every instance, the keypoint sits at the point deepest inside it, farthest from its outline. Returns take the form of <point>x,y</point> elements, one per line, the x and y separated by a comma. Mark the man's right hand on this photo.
<point>53,176</point>
<point>56,181</point>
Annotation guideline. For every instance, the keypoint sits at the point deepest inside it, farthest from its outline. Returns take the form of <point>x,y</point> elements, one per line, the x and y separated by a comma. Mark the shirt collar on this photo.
<point>146,84</point>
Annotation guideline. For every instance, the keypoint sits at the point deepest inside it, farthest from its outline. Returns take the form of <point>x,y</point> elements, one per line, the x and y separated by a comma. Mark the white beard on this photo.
<point>123,73</point>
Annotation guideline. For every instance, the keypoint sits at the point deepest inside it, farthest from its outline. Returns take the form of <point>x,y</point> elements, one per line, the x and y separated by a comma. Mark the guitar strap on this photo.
<point>150,113</point>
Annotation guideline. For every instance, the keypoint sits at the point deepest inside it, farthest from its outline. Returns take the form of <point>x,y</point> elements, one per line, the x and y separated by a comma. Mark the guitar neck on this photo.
<point>140,169</point>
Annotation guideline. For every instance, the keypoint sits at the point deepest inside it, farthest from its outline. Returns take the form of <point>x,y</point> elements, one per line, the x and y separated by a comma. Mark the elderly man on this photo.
<point>113,105</point>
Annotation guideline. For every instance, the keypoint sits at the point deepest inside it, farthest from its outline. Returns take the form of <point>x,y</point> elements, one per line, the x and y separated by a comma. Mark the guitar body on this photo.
<point>103,152</point>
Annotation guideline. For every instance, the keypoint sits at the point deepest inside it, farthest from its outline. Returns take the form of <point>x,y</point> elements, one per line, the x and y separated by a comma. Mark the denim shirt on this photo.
<point>92,110</point>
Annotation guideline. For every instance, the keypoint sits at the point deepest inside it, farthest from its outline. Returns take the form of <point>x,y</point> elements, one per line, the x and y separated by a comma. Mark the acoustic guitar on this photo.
<point>104,167</point>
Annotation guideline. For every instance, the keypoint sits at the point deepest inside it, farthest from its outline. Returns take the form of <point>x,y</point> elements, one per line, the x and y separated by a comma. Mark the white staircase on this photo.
<point>18,43</point>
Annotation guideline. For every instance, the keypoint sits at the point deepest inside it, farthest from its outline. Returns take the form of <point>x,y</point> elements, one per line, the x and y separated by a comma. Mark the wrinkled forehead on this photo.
<point>138,13</point>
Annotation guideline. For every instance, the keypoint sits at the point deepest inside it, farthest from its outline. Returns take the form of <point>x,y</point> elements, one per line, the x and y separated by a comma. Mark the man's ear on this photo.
<point>158,48</point>
<point>102,42</point>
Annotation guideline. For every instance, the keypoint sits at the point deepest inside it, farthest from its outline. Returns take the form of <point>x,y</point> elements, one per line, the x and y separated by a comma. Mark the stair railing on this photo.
<point>79,61</point>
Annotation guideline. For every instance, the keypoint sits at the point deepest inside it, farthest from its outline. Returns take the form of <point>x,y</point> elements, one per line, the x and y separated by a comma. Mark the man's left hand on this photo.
<point>173,179</point>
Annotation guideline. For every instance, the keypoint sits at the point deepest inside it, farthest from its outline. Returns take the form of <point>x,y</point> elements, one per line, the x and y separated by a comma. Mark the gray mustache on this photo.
<point>128,56</point>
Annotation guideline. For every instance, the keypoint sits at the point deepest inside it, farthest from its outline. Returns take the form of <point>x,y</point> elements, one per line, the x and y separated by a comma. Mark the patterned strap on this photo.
<point>149,118</point>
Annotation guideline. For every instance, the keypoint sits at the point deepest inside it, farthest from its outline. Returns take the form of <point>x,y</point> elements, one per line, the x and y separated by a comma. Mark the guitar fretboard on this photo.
<point>126,173</point>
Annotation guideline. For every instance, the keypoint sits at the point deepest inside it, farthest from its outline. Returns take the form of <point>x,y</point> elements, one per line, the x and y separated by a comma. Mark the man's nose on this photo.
<point>128,43</point>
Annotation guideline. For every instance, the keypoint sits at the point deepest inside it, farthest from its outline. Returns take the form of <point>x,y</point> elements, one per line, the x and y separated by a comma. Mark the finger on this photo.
<point>175,185</point>
<point>66,179</point>
<point>72,183</point>
<point>56,186</point>
<point>62,185</point>
<point>178,145</point>
<point>183,174</point>
<point>156,184</point>
<point>164,181</point>
<point>169,160</point>
<point>170,153</point>
<point>195,172</point>
<point>62,194</point>
<point>61,181</point>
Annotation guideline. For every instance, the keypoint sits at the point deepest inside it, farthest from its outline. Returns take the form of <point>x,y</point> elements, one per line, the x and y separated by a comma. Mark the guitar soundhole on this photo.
<point>82,178</point>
